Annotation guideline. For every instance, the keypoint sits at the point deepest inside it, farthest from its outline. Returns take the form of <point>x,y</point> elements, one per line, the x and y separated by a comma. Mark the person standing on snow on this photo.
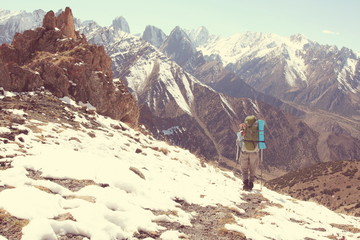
<point>249,151</point>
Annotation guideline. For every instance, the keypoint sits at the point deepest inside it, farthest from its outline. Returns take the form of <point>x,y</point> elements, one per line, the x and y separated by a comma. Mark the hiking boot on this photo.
<point>250,185</point>
<point>246,185</point>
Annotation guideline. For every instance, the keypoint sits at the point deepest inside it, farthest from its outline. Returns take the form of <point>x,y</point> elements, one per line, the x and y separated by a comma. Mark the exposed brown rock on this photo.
<point>58,58</point>
<point>49,21</point>
<point>65,22</point>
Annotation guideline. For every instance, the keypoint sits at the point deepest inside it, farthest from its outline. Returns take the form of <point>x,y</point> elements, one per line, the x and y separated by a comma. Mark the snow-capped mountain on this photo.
<point>274,65</point>
<point>179,47</point>
<point>177,107</point>
<point>154,35</point>
<point>86,176</point>
<point>199,36</point>
<point>67,174</point>
<point>174,105</point>
<point>294,69</point>
<point>175,102</point>
<point>19,21</point>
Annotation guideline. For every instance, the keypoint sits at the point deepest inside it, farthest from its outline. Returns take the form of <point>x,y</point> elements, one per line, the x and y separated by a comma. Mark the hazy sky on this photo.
<point>333,22</point>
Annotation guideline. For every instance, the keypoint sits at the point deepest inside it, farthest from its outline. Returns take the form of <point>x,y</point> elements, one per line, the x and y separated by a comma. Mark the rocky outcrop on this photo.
<point>65,22</point>
<point>49,21</point>
<point>58,58</point>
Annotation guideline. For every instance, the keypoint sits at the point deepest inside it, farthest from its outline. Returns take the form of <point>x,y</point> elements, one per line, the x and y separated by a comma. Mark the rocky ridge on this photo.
<point>332,184</point>
<point>58,58</point>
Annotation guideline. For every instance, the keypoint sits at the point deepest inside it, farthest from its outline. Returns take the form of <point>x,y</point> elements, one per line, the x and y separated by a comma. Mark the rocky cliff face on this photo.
<point>57,57</point>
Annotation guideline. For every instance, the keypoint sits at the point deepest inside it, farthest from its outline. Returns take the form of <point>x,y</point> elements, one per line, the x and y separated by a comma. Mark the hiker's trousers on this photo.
<point>249,162</point>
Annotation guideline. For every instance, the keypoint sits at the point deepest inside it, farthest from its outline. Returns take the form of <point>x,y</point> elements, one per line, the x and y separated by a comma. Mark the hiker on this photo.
<point>249,151</point>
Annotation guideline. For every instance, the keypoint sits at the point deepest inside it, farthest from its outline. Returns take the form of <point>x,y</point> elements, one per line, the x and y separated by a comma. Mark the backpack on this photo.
<point>251,135</point>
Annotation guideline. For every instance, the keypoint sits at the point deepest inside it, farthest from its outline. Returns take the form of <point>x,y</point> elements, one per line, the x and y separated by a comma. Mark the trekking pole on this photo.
<point>261,169</point>
<point>237,157</point>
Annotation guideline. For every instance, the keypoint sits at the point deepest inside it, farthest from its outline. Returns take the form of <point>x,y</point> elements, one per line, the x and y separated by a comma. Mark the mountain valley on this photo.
<point>97,123</point>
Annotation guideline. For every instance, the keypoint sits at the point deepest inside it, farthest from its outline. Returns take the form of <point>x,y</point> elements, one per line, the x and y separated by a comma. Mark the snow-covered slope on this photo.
<point>146,61</point>
<point>86,175</point>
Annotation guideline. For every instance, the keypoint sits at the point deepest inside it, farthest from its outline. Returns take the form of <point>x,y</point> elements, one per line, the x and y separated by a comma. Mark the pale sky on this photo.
<point>332,22</point>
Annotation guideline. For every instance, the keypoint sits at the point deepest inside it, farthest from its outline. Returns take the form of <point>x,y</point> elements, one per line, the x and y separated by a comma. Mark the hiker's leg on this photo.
<point>244,164</point>
<point>254,163</point>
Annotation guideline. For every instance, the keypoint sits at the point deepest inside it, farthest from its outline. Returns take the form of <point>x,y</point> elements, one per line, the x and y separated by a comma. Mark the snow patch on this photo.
<point>227,105</point>
<point>69,101</point>
<point>255,106</point>
<point>172,130</point>
<point>19,112</point>
<point>346,73</point>
<point>172,235</point>
<point>4,130</point>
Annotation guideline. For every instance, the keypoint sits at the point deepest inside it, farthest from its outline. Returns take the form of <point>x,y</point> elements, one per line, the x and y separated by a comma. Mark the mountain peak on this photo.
<point>199,36</point>
<point>154,35</point>
<point>299,38</point>
<point>120,23</point>
<point>178,46</point>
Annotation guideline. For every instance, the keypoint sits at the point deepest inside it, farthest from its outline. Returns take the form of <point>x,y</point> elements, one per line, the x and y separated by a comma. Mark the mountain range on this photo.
<point>195,88</point>
<point>78,123</point>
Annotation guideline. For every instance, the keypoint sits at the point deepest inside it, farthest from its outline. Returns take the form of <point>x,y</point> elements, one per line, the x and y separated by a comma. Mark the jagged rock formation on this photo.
<point>58,58</point>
